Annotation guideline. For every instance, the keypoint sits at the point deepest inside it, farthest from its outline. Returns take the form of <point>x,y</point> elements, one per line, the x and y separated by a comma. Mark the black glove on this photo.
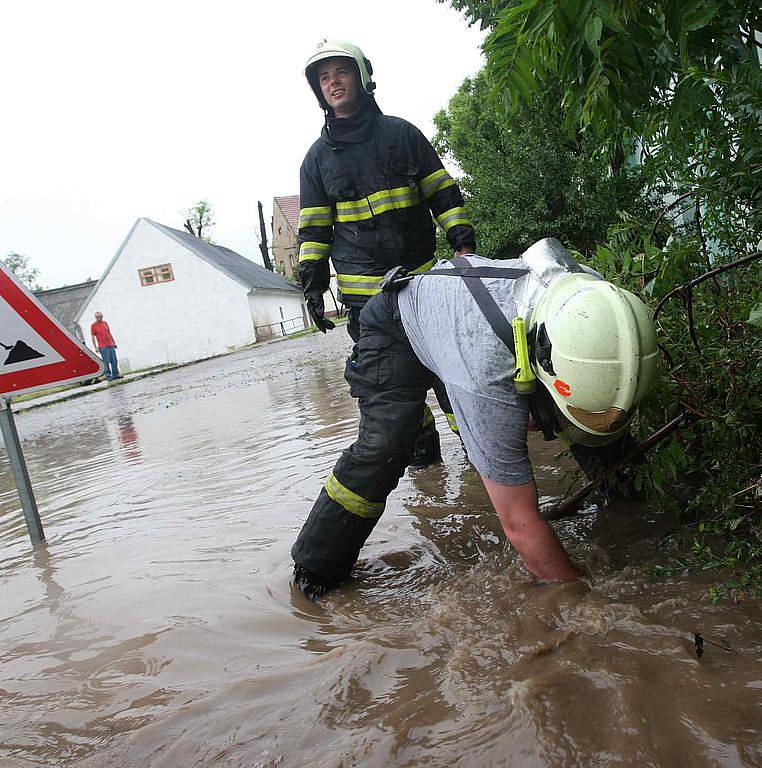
<point>316,308</point>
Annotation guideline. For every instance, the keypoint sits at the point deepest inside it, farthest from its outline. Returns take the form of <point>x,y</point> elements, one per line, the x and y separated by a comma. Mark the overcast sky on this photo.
<point>114,111</point>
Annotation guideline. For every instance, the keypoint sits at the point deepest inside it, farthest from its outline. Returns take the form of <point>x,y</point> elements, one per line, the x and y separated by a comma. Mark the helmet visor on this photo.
<point>608,421</point>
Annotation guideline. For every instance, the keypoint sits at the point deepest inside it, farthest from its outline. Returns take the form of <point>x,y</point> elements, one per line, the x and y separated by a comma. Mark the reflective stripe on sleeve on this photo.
<point>351,501</point>
<point>359,285</point>
<point>432,183</point>
<point>453,218</point>
<point>314,251</point>
<point>377,203</point>
<point>321,216</point>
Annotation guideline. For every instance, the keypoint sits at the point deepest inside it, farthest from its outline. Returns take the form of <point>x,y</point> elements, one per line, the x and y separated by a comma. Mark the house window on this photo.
<point>162,273</point>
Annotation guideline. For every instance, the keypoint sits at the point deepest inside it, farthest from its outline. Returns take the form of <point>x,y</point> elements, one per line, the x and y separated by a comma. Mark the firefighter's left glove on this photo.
<point>316,307</point>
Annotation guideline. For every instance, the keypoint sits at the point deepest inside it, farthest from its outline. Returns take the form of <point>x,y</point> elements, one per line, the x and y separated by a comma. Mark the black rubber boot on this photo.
<point>427,450</point>
<point>311,584</point>
<point>328,546</point>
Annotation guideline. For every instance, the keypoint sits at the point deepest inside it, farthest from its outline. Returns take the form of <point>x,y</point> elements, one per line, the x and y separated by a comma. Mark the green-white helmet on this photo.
<point>329,49</point>
<point>595,353</point>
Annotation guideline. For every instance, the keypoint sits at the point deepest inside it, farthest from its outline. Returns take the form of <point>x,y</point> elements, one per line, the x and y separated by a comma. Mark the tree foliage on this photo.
<point>199,219</point>
<point>524,178</point>
<point>20,266</point>
<point>675,85</point>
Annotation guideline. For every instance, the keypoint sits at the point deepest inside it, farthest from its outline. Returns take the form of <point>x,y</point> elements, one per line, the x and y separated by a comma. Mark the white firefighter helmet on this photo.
<point>595,353</point>
<point>329,49</point>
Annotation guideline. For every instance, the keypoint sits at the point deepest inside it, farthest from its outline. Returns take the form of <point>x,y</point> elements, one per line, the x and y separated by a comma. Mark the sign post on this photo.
<point>35,352</point>
<point>20,475</point>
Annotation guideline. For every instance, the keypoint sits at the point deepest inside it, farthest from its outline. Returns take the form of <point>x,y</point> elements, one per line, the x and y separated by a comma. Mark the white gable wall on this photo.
<point>202,312</point>
<point>269,308</point>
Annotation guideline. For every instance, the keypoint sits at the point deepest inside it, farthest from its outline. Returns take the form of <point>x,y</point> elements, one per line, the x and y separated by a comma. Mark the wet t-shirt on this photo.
<point>451,337</point>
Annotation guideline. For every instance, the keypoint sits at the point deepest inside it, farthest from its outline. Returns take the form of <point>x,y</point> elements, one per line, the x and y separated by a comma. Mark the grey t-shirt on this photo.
<point>451,337</point>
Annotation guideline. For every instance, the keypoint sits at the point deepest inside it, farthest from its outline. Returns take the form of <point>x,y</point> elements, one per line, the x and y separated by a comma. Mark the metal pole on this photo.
<point>21,476</point>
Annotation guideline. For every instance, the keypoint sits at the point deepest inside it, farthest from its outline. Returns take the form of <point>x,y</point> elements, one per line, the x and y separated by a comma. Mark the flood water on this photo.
<point>159,627</point>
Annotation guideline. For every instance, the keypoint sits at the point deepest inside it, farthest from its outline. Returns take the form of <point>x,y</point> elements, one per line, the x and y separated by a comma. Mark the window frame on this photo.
<point>157,275</point>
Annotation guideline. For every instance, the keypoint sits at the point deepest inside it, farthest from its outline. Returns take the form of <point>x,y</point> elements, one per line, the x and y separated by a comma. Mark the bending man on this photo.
<point>592,352</point>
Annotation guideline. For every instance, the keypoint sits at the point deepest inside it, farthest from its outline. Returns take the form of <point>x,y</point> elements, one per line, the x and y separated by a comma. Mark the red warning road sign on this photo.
<point>35,349</point>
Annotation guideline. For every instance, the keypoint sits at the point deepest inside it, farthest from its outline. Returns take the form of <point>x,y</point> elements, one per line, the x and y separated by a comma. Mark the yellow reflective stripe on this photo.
<point>359,285</point>
<point>354,291</point>
<point>351,501</point>
<point>354,210</point>
<point>360,278</point>
<point>321,216</point>
<point>370,285</point>
<point>314,251</point>
<point>432,183</point>
<point>388,199</point>
<point>377,203</point>
<point>451,422</point>
<point>424,267</point>
<point>428,417</point>
<point>453,218</point>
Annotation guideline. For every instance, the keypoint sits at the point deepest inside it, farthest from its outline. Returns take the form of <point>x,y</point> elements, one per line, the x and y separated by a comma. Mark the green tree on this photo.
<point>525,178</point>
<point>675,82</point>
<point>20,266</point>
<point>199,218</point>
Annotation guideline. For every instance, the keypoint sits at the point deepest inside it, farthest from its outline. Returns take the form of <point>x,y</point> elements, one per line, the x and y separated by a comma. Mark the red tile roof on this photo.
<point>289,206</point>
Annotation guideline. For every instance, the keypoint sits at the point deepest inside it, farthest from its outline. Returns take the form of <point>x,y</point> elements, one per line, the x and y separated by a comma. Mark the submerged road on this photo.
<point>159,627</point>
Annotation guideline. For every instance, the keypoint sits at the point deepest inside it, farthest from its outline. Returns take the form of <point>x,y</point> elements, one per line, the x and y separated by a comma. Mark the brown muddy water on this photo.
<point>159,626</point>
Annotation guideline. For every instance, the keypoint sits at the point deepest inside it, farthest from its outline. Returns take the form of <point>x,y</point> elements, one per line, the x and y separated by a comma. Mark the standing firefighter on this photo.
<point>368,189</point>
<point>539,333</point>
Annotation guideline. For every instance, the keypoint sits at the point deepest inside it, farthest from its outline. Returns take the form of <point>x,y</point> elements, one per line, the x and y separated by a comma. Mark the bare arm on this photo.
<point>530,535</point>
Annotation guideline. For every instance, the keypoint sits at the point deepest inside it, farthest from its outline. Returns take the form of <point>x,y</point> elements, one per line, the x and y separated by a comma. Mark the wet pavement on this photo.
<point>159,627</point>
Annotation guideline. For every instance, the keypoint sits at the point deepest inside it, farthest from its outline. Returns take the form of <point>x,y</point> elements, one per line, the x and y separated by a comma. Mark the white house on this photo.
<point>170,297</point>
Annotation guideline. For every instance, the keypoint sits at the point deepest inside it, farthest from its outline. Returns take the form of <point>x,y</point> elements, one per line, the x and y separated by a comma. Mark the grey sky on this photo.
<point>120,110</point>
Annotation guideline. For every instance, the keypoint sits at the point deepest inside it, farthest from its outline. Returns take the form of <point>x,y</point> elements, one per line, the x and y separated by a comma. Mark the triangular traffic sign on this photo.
<point>35,349</point>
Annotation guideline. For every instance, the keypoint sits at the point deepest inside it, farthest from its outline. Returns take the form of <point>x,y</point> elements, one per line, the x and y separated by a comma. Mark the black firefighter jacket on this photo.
<point>368,188</point>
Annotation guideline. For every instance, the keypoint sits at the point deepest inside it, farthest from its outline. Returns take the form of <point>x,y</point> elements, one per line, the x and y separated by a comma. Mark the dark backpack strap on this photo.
<point>484,300</point>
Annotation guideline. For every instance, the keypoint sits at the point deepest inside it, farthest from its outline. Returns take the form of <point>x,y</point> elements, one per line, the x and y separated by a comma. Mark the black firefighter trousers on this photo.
<point>427,450</point>
<point>390,384</point>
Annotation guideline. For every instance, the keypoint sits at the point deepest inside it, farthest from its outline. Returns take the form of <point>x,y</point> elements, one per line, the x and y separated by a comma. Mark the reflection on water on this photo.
<point>159,626</point>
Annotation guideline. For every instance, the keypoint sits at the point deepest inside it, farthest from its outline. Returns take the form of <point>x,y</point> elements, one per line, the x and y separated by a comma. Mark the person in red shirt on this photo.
<point>104,342</point>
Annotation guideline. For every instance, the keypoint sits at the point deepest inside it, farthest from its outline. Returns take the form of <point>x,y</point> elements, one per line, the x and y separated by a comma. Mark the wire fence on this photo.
<point>281,328</point>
